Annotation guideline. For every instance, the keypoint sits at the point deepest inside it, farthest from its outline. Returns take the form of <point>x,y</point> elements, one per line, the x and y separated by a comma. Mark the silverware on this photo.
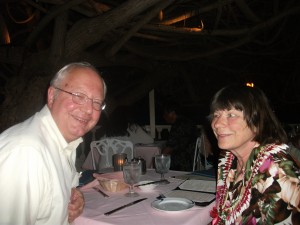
<point>161,196</point>
<point>101,192</point>
<point>154,182</point>
<point>124,206</point>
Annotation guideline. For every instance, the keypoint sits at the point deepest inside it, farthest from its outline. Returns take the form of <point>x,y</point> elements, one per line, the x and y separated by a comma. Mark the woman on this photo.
<point>258,182</point>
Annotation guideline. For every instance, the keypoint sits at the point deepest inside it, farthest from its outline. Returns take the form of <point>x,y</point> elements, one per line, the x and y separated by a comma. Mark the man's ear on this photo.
<point>50,97</point>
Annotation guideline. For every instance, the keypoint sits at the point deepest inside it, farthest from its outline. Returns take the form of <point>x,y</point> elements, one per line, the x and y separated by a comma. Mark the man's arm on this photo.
<point>22,185</point>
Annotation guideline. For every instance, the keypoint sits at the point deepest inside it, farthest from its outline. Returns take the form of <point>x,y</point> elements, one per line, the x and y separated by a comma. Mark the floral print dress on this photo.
<point>267,192</point>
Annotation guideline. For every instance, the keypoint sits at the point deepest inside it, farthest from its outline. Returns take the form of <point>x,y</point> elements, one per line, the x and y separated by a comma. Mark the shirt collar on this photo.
<point>47,118</point>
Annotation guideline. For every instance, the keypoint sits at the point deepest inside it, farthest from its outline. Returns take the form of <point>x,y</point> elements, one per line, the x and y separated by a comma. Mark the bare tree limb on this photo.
<point>153,12</point>
<point>47,19</point>
<point>93,30</point>
<point>250,15</point>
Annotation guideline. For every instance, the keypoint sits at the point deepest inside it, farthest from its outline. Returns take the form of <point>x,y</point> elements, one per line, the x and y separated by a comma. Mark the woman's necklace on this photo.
<point>229,208</point>
<point>240,169</point>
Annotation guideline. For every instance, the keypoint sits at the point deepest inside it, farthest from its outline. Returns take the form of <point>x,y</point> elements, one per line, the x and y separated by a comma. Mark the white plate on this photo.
<point>172,204</point>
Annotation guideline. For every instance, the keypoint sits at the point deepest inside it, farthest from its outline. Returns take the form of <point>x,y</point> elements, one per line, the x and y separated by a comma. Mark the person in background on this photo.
<point>182,139</point>
<point>37,156</point>
<point>258,182</point>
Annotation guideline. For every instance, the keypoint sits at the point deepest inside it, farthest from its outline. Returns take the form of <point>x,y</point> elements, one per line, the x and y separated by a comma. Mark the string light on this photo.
<point>250,84</point>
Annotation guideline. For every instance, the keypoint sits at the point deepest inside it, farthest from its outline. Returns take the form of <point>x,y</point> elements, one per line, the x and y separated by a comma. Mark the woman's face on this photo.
<point>232,131</point>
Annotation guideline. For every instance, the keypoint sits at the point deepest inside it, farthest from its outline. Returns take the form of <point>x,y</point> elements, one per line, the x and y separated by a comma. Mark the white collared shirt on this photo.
<point>37,172</point>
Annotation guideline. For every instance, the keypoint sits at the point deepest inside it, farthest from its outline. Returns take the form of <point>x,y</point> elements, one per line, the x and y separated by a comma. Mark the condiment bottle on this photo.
<point>142,162</point>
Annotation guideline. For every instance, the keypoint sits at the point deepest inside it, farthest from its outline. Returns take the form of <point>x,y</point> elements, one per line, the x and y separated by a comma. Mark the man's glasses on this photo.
<point>81,99</point>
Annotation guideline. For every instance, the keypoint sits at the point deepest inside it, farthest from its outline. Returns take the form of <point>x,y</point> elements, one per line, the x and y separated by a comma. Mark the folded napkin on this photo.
<point>90,185</point>
<point>113,175</point>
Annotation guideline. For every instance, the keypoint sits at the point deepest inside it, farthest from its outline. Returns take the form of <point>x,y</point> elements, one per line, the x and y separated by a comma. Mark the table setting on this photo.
<point>149,198</point>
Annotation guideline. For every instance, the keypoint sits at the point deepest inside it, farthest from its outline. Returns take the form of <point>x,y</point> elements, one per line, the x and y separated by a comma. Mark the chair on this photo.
<point>201,153</point>
<point>103,150</point>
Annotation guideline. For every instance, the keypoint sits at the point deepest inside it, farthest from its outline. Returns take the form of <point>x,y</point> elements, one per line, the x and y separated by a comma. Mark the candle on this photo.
<point>118,161</point>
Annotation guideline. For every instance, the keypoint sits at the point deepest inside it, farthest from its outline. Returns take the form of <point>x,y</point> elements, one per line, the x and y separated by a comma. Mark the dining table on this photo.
<point>144,212</point>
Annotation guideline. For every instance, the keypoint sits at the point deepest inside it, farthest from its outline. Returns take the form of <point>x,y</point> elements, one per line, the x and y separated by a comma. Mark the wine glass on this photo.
<point>162,166</point>
<point>132,172</point>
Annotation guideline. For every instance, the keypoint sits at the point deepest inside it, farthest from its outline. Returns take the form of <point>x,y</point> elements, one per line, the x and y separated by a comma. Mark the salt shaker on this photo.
<point>142,162</point>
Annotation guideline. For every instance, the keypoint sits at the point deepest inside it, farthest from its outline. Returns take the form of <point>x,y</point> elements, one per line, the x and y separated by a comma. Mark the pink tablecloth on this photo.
<point>141,213</point>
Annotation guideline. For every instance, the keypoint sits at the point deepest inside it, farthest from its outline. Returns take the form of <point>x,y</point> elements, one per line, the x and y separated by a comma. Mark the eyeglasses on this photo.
<point>81,99</point>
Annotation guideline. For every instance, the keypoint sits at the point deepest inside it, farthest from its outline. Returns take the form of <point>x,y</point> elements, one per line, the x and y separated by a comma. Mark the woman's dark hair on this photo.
<point>256,109</point>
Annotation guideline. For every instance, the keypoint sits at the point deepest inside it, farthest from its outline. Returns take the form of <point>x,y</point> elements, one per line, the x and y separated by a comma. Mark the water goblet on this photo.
<point>162,166</point>
<point>132,172</point>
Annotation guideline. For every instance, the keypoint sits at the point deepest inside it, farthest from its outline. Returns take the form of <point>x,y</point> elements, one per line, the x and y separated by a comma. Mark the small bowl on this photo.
<point>147,187</point>
<point>113,185</point>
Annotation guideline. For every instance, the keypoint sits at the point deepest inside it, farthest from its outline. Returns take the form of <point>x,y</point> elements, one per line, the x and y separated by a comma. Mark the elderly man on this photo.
<point>37,157</point>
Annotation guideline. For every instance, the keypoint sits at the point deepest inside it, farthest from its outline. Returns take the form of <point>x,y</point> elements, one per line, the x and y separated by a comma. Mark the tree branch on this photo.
<point>153,12</point>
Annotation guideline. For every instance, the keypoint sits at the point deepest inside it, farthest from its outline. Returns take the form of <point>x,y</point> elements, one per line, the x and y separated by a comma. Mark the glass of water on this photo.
<point>132,172</point>
<point>162,166</point>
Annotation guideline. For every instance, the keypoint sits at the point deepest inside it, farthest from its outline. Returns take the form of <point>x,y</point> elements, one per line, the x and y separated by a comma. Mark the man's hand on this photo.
<point>76,204</point>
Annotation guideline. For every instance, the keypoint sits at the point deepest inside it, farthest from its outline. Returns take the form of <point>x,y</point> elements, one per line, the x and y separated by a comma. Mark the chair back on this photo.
<point>105,148</point>
<point>201,154</point>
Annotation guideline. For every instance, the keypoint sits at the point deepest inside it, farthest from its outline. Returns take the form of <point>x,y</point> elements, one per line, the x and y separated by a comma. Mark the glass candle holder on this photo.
<point>118,161</point>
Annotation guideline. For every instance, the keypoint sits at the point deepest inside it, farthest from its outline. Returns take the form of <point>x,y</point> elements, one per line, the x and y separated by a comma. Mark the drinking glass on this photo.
<point>132,172</point>
<point>162,166</point>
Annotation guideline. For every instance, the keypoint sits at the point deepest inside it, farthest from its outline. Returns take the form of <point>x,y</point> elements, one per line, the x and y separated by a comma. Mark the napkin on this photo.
<point>90,185</point>
<point>114,175</point>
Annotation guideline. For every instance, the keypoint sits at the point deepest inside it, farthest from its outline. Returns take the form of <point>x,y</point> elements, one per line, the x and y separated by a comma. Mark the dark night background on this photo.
<point>185,50</point>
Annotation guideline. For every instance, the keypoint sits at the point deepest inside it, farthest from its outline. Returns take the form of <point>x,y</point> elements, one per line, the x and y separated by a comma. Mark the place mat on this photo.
<point>194,196</point>
<point>193,177</point>
<point>206,173</point>
<point>199,186</point>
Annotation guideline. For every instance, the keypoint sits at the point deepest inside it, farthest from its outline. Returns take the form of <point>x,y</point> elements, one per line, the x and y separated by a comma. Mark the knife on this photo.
<point>153,182</point>
<point>124,206</point>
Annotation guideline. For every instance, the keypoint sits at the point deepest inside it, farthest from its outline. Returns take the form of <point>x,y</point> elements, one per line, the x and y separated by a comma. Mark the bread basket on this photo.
<point>112,185</point>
